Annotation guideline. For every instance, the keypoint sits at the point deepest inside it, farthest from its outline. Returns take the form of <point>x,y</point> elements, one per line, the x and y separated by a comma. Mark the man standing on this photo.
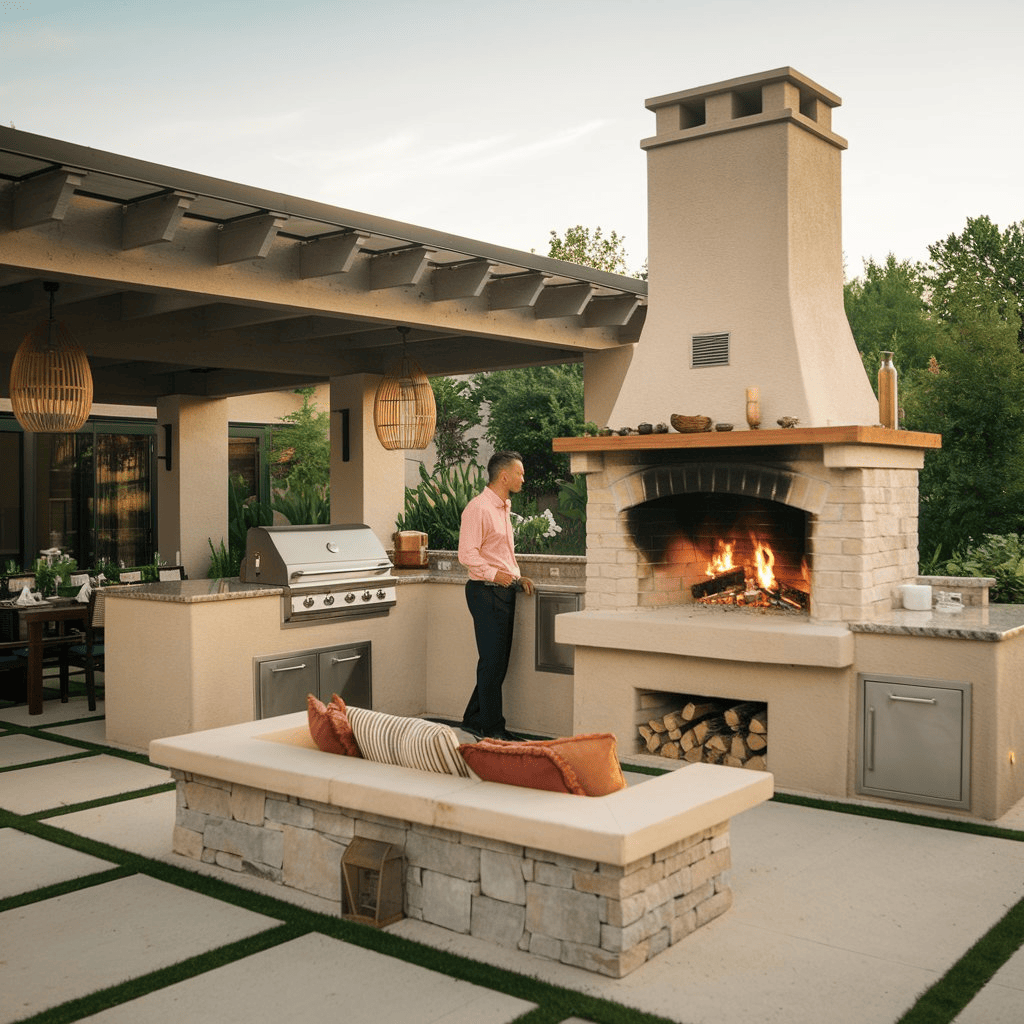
<point>486,548</point>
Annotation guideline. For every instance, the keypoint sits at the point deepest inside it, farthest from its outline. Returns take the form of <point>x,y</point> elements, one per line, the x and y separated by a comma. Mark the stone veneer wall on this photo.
<point>862,536</point>
<point>599,917</point>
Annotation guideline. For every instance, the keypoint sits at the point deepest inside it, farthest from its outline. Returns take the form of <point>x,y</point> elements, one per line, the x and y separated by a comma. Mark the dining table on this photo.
<point>36,616</point>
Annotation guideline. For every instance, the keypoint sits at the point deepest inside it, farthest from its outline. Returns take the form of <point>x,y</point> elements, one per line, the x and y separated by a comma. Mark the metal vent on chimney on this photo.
<point>709,350</point>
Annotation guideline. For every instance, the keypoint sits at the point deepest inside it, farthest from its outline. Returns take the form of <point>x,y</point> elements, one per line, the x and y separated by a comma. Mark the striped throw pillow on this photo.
<point>407,742</point>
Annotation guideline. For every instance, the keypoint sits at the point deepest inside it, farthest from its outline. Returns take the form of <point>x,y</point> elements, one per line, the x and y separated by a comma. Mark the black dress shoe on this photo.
<point>472,730</point>
<point>504,734</point>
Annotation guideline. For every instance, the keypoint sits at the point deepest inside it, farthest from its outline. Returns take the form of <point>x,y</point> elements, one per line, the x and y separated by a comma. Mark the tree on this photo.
<point>530,407</point>
<point>589,248</point>
<point>888,312</point>
<point>458,410</point>
<point>974,485</point>
<point>982,262</point>
<point>301,464</point>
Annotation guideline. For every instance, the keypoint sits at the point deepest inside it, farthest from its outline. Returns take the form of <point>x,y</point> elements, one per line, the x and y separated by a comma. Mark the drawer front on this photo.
<point>283,685</point>
<point>346,672</point>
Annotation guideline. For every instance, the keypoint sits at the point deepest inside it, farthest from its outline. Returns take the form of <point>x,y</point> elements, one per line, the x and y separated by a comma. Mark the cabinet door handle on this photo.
<point>913,700</point>
<point>341,661</point>
<point>871,739</point>
<point>289,668</point>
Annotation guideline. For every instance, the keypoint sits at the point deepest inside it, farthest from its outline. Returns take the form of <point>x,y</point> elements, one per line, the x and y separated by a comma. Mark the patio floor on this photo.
<point>837,916</point>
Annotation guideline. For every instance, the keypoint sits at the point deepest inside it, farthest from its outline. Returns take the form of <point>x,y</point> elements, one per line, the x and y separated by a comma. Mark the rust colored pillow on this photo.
<point>327,726</point>
<point>337,715</point>
<point>521,764</point>
<point>592,757</point>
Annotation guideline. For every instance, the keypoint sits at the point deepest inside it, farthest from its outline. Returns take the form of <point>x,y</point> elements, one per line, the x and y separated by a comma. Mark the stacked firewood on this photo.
<point>713,731</point>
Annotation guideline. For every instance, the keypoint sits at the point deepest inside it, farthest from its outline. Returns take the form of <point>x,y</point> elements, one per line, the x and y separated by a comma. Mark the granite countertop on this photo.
<point>194,591</point>
<point>996,622</point>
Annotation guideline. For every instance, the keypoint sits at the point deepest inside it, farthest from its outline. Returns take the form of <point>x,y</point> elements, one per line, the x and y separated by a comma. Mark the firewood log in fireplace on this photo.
<point>715,585</point>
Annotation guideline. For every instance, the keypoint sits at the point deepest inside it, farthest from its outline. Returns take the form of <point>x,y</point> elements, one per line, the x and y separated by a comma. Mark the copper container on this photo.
<point>410,549</point>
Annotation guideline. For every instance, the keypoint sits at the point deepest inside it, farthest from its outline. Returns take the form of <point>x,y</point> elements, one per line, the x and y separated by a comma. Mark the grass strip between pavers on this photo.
<point>49,760</point>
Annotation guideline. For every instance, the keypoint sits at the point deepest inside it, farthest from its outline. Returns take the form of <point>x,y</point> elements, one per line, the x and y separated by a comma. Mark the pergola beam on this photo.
<point>515,291</point>
<point>461,280</point>
<point>248,238</point>
<point>333,254</point>
<point>563,300</point>
<point>154,220</point>
<point>396,269</point>
<point>46,197</point>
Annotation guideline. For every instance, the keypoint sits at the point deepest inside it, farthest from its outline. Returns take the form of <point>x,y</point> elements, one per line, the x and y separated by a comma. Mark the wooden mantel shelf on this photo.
<point>751,439</point>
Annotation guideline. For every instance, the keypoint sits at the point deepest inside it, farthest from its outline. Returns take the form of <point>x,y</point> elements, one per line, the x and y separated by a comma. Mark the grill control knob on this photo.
<point>307,603</point>
<point>349,597</point>
<point>367,595</point>
<point>329,600</point>
<point>381,595</point>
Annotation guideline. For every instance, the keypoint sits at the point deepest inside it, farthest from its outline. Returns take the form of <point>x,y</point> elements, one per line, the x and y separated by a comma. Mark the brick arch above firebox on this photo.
<point>784,486</point>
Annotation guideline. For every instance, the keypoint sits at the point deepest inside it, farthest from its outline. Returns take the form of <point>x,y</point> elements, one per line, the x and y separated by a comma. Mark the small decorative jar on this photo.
<point>753,408</point>
<point>888,414</point>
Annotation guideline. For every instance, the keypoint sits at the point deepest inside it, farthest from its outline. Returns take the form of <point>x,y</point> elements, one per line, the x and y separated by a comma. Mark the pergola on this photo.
<point>185,290</point>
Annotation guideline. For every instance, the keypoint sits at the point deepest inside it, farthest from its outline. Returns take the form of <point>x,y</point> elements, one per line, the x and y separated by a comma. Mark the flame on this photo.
<point>765,559</point>
<point>721,562</point>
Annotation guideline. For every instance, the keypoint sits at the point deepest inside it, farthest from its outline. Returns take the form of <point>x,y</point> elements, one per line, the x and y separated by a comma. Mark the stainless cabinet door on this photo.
<point>283,685</point>
<point>345,671</point>
<point>916,740</point>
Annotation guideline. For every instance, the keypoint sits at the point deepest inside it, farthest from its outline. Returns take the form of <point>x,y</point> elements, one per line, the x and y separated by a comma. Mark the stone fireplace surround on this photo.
<point>858,485</point>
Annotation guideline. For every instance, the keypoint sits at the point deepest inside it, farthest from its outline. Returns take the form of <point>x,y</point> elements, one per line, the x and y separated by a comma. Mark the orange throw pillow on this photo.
<point>519,764</point>
<point>337,714</point>
<point>592,757</point>
<point>328,725</point>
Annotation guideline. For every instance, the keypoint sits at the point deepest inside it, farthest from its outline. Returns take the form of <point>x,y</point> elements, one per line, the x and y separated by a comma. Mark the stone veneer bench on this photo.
<point>602,883</point>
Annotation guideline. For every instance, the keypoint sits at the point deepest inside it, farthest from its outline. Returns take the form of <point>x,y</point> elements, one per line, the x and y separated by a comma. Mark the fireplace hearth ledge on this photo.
<point>711,633</point>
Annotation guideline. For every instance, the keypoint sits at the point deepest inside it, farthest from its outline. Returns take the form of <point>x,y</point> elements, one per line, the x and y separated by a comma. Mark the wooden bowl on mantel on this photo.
<point>690,424</point>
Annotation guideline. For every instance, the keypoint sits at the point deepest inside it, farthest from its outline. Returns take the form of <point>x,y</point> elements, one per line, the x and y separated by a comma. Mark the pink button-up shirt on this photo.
<point>485,538</point>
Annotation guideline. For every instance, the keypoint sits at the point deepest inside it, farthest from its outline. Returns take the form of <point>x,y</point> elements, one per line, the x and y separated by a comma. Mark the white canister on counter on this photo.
<point>917,597</point>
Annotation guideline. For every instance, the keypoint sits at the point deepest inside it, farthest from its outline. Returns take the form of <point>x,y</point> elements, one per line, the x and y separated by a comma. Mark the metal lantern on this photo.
<point>51,383</point>
<point>404,411</point>
<point>371,883</point>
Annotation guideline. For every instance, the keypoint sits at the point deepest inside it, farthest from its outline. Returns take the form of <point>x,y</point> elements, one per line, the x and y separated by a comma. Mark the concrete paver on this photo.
<point>31,863</point>
<point>63,784</point>
<point>319,980</point>
<point>72,945</point>
<point>17,748</point>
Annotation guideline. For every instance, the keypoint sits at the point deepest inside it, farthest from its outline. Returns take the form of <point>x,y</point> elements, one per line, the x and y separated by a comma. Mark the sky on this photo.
<point>505,121</point>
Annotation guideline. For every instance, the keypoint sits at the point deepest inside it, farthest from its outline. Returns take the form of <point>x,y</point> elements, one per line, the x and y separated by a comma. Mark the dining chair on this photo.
<point>88,655</point>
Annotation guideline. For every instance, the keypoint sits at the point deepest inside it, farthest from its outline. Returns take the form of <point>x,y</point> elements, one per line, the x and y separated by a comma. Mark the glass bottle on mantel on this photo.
<point>888,414</point>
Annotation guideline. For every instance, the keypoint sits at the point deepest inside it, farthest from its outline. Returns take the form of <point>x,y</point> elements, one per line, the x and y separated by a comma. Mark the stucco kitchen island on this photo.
<point>180,656</point>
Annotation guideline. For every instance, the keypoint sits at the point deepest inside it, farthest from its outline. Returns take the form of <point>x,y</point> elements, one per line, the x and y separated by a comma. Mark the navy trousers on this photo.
<point>494,611</point>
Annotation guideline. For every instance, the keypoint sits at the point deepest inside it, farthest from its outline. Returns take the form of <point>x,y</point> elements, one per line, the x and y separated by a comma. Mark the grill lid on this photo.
<point>296,556</point>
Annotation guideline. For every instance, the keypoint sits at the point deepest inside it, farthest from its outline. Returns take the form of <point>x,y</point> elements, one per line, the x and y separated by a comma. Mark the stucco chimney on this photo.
<point>745,261</point>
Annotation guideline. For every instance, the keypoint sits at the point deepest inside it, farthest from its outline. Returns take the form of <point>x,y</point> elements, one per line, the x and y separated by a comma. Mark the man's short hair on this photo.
<point>499,461</point>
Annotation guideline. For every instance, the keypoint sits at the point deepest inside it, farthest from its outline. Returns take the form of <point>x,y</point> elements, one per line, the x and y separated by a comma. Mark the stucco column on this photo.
<point>367,486</point>
<point>192,497</point>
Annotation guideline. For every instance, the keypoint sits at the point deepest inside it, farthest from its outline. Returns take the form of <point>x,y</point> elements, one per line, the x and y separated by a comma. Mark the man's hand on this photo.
<point>527,585</point>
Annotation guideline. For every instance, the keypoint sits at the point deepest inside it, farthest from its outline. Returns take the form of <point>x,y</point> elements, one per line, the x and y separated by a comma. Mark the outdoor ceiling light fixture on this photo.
<point>51,383</point>
<point>404,412</point>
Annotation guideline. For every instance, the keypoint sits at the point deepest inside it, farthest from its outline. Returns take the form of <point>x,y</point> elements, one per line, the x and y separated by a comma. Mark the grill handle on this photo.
<point>331,572</point>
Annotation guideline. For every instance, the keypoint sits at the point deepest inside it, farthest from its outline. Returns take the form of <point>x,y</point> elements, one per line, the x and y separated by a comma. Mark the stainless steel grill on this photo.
<point>327,571</point>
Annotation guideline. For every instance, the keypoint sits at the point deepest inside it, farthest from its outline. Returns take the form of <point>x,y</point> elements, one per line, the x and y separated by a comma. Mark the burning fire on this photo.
<point>752,584</point>
<point>722,561</point>
<point>764,558</point>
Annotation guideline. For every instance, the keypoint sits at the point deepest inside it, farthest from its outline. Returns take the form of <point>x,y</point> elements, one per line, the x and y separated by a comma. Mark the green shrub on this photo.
<point>435,506</point>
<point>1000,556</point>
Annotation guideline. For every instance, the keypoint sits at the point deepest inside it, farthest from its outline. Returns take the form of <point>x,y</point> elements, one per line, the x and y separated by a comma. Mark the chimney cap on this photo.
<point>786,74</point>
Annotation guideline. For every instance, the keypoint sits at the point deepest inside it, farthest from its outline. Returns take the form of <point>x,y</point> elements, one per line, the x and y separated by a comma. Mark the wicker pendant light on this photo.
<point>51,384</point>
<point>404,412</point>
